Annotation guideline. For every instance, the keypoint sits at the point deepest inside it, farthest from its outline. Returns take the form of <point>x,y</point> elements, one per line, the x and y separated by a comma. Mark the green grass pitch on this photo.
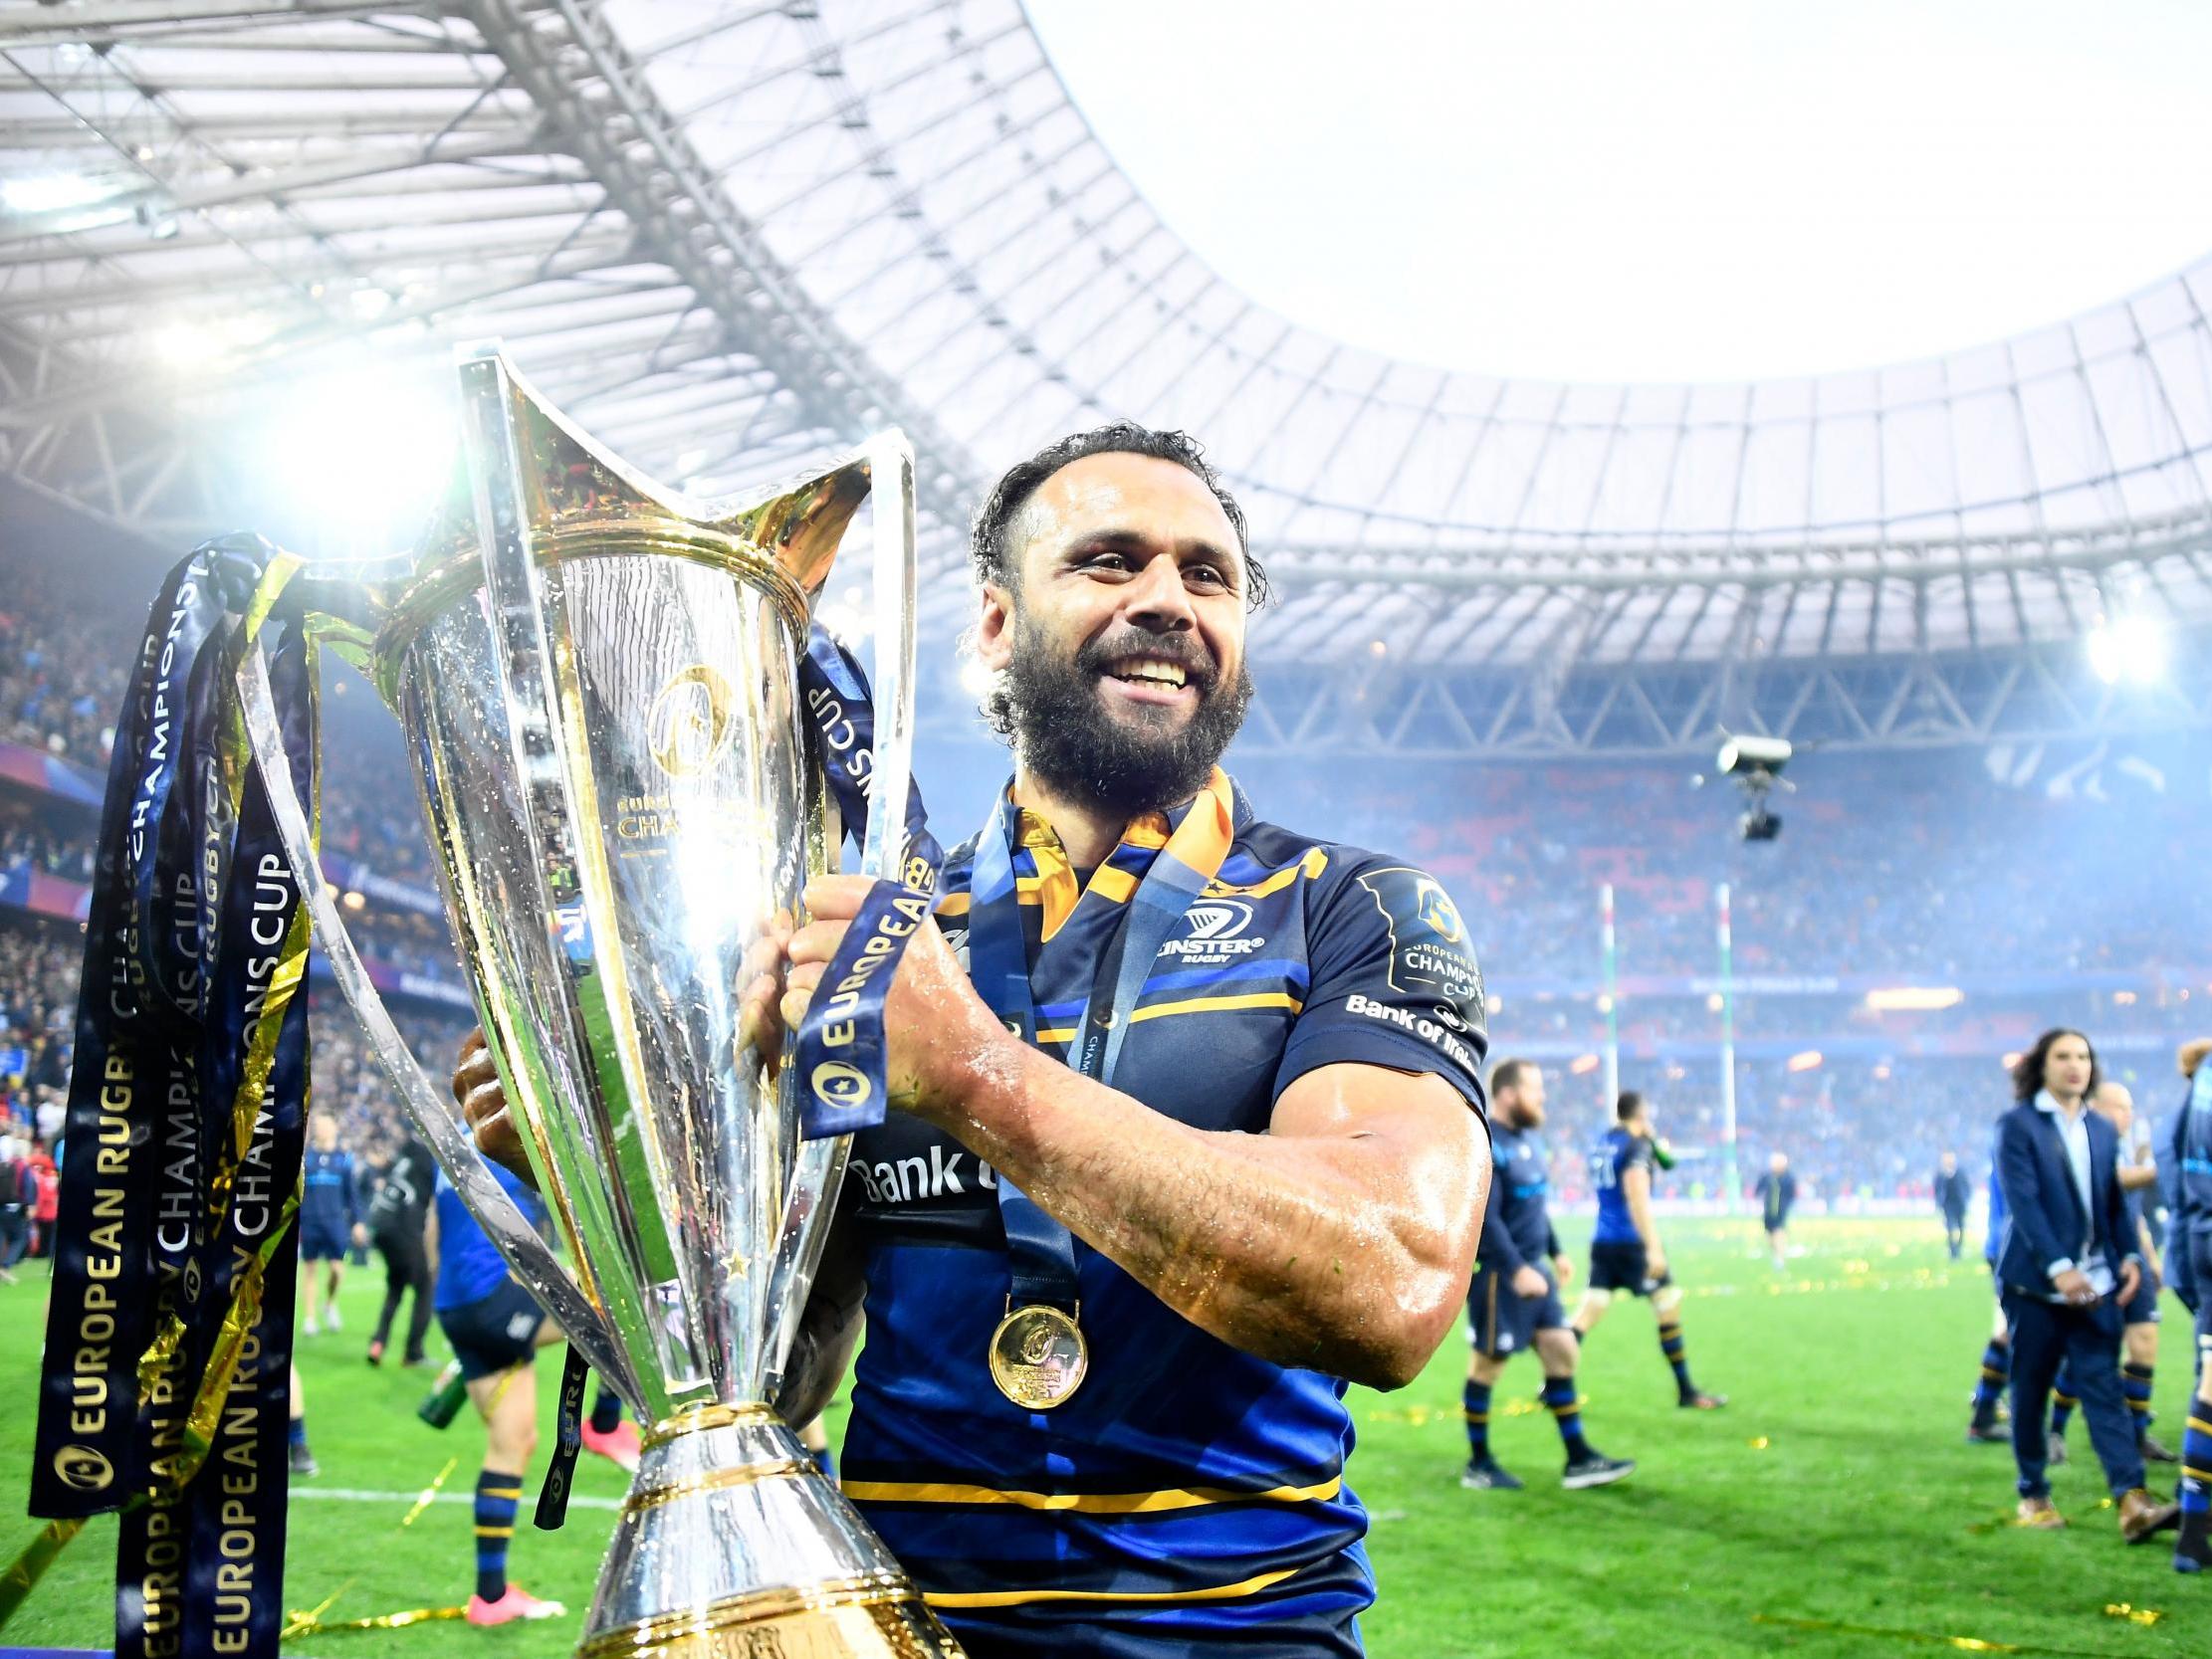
<point>1834,1490</point>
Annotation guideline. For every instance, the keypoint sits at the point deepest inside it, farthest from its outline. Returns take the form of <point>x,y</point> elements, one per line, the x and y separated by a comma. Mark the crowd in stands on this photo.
<point>1919,865</point>
<point>381,828</point>
<point>39,967</point>
<point>348,1079</point>
<point>37,1010</point>
<point>63,669</point>
<point>28,841</point>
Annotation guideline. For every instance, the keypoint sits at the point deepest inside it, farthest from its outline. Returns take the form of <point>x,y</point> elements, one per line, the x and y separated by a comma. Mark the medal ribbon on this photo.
<point>841,1054</point>
<point>1040,1248</point>
<point>191,1074</point>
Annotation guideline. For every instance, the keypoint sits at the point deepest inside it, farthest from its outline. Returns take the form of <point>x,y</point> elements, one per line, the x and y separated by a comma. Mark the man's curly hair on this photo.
<point>990,533</point>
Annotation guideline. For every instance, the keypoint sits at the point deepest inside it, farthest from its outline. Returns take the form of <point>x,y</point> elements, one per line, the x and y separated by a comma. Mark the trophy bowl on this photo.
<point>599,681</point>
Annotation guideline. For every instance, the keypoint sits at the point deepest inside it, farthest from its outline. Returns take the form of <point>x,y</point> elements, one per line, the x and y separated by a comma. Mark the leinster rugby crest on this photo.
<point>1431,957</point>
<point>1214,934</point>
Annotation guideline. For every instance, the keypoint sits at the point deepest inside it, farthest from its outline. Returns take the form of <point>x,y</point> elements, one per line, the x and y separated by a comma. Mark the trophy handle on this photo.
<point>433,1111</point>
<point>819,1169</point>
<point>891,475</point>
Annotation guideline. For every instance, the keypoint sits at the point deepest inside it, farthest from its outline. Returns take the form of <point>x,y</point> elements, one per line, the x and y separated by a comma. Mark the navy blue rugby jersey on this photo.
<point>1516,1229</point>
<point>328,1199</point>
<point>1616,1154</point>
<point>1187,1487</point>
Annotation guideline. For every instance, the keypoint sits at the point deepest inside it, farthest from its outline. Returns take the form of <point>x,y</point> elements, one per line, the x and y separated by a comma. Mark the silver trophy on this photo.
<point>598,683</point>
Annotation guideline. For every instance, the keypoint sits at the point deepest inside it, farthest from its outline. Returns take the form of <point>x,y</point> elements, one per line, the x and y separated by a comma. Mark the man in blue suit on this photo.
<point>2069,1261</point>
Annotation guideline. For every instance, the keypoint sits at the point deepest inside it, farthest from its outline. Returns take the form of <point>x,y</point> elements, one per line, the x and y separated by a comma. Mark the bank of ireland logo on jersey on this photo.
<point>690,720</point>
<point>1430,957</point>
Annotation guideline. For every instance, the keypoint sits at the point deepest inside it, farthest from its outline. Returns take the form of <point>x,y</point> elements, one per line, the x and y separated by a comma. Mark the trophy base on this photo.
<point>733,1546</point>
<point>749,1628</point>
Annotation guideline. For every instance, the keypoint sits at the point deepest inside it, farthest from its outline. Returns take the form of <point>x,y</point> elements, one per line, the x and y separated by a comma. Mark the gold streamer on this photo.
<point>380,1621</point>
<point>31,1564</point>
<point>2132,1614</point>
<point>312,1623</point>
<point>1925,1638</point>
<point>1421,1414</point>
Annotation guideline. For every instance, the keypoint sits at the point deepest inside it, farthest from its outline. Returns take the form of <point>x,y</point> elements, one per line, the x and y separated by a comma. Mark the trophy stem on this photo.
<point>732,1543</point>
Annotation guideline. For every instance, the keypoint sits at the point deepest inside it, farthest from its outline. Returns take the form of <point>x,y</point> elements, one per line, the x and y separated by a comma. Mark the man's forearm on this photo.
<point>1343,1254</point>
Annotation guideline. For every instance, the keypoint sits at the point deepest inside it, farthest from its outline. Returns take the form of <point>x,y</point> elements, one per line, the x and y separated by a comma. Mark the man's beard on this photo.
<point>1075,747</point>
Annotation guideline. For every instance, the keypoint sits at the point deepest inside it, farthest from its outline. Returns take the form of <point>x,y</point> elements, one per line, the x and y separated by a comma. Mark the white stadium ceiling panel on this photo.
<point>729,236</point>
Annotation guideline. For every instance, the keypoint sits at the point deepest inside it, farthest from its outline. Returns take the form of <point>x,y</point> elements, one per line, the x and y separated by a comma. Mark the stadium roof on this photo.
<point>727,236</point>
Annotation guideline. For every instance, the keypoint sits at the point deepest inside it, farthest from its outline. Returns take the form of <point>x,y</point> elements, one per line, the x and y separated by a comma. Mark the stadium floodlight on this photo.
<point>185,347</point>
<point>2103,654</point>
<point>361,453</point>
<point>2131,647</point>
<point>53,192</point>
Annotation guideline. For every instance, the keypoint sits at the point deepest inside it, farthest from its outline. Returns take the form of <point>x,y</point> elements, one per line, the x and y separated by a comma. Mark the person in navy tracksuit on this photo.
<point>2185,1174</point>
<point>2068,1262</point>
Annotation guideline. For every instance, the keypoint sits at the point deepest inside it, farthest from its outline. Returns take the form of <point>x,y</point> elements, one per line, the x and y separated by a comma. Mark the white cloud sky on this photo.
<point>1661,189</point>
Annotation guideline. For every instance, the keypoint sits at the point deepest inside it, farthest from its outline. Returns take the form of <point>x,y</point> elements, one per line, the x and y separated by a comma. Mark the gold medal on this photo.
<point>1039,1358</point>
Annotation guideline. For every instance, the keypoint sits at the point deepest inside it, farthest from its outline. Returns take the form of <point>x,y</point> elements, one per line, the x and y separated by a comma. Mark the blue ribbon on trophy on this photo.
<point>178,836</point>
<point>255,1071</point>
<point>841,1054</point>
<point>101,1309</point>
<point>166,1387</point>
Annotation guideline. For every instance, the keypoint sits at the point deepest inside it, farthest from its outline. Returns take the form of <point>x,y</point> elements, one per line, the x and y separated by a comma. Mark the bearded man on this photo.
<point>1186,1130</point>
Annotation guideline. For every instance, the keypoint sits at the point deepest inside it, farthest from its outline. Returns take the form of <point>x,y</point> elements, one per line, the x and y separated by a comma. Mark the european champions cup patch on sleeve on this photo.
<point>1430,957</point>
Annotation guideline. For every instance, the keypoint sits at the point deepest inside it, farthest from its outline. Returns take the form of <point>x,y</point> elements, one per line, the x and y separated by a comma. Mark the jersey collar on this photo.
<point>1199,831</point>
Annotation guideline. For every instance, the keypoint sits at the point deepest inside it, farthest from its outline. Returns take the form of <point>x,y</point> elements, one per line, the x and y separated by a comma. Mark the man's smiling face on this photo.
<point>1121,640</point>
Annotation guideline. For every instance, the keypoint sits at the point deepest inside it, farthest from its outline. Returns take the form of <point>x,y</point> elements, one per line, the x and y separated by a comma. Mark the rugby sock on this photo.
<point>1670,1345</point>
<point>1566,1410</point>
<point>1996,1373</point>
<point>297,1430</point>
<point>1476,1400</point>
<point>2134,1383</point>
<point>2196,1461</point>
<point>496,1494</point>
<point>607,1411</point>
<point>2063,1401</point>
